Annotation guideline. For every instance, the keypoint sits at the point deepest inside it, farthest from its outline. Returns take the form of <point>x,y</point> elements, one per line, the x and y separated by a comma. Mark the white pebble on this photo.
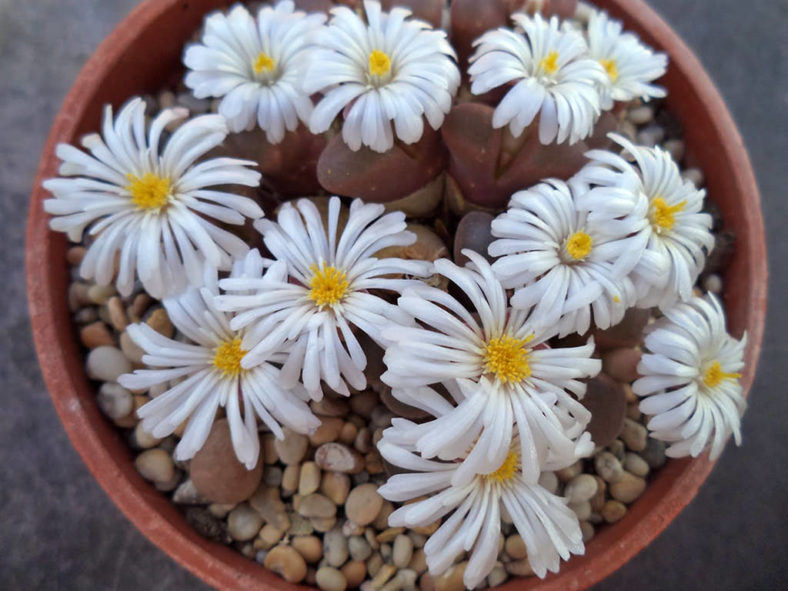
<point>106,364</point>
<point>713,283</point>
<point>114,400</point>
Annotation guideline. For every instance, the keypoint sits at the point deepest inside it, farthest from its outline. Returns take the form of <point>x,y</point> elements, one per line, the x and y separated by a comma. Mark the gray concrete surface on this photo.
<point>59,531</point>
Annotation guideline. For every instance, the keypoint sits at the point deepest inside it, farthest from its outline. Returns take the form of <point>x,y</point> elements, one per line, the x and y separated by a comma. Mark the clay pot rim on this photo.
<point>222,567</point>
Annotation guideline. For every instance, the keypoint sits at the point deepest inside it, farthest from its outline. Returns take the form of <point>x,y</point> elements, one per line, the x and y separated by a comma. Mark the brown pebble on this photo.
<point>627,333</point>
<point>608,467</point>
<point>310,547</point>
<point>330,407</point>
<point>418,561</point>
<point>519,568</point>
<point>308,478</point>
<point>336,486</point>
<point>614,511</point>
<point>268,537</point>
<point>327,431</point>
<point>160,322</point>
<point>634,435</point>
<point>629,488</point>
<point>330,579</point>
<point>426,582</point>
<point>363,504</point>
<point>131,350</point>
<point>141,303</point>
<point>339,458</point>
<point>598,500</point>
<point>75,254</point>
<point>117,313</point>
<point>95,335</point>
<point>323,524</point>
<point>99,294</point>
<point>451,580</point>
<point>384,574</point>
<point>374,463</point>
<point>355,572</point>
<point>568,473</point>
<point>266,502</point>
<point>374,564</point>
<point>268,450</point>
<point>363,403</point>
<point>363,440</point>
<point>287,563</point>
<point>316,505</point>
<point>348,433</point>
<point>621,364</point>
<point>292,448</point>
<point>636,465</point>
<point>290,478</point>
<point>389,534</point>
<point>244,523</point>
<point>515,547</point>
<point>216,471</point>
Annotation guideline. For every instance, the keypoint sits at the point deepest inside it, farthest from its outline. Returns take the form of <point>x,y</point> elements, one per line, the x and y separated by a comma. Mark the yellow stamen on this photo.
<point>328,285</point>
<point>611,68</point>
<point>664,215</point>
<point>507,471</point>
<point>507,358</point>
<point>578,245</point>
<point>549,63</point>
<point>149,192</point>
<point>264,63</point>
<point>714,376</point>
<point>228,357</point>
<point>617,299</point>
<point>379,63</point>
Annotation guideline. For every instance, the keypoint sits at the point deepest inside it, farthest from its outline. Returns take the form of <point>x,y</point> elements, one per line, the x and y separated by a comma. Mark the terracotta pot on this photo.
<point>142,55</point>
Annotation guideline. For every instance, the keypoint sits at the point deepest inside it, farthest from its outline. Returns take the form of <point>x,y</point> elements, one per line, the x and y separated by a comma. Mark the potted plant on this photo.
<point>143,55</point>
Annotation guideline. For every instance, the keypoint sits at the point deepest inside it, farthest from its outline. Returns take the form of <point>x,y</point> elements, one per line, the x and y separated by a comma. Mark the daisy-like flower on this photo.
<point>691,379</point>
<point>149,212</point>
<point>678,235</point>
<point>551,74</point>
<point>325,289</point>
<point>391,69</point>
<point>210,375</point>
<point>256,66</point>
<point>503,374</point>
<point>630,65</point>
<point>550,530</point>
<point>563,262</point>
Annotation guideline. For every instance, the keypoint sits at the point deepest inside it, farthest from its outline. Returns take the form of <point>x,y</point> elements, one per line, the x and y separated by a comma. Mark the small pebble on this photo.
<point>713,283</point>
<point>330,407</point>
<point>317,505</point>
<point>107,364</point>
<point>694,175</point>
<point>617,448</point>
<point>336,486</point>
<point>99,294</point>
<point>310,547</point>
<point>292,448</point>
<point>383,575</point>
<point>634,435</point>
<point>614,511</point>
<point>75,254</point>
<point>641,115</point>
<point>650,136</point>
<point>244,523</point>
<point>355,572</point>
<point>497,575</point>
<point>339,458</point>
<point>114,400</point>
<point>117,313</point>
<point>268,537</point>
<point>418,561</point>
<point>636,465</point>
<point>335,547</point>
<point>402,551</point>
<point>654,454</point>
<point>515,547</point>
<point>96,334</point>
<point>328,431</point>
<point>309,478</point>
<point>582,510</point>
<point>675,148</point>
<point>519,568</point>
<point>160,322</point>
<point>272,476</point>
<point>142,439</point>
<point>187,494</point>
<point>587,530</point>
<point>381,521</point>
<point>130,349</point>
<point>549,481</point>
<point>580,488</point>
<point>155,465</point>
<point>608,467</point>
<point>290,478</point>
<point>348,433</point>
<point>359,548</point>
<point>566,474</point>
<point>628,488</point>
<point>330,579</point>
<point>287,563</point>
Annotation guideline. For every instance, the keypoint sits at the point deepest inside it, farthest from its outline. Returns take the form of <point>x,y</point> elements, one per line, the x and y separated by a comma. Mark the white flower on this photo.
<point>504,374</point>
<point>548,527</point>
<point>390,69</point>
<point>629,64</point>
<point>149,212</point>
<point>691,379</point>
<point>327,284</point>
<point>209,376</point>
<point>551,73</point>
<point>678,235</point>
<point>563,262</point>
<point>256,66</point>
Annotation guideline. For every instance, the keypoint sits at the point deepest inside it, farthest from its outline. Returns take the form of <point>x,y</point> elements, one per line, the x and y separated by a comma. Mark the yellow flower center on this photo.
<point>611,68</point>
<point>228,357</point>
<point>549,63</point>
<point>263,63</point>
<point>149,192</point>
<point>507,358</point>
<point>578,245</point>
<point>508,469</point>
<point>663,216</point>
<point>379,63</point>
<point>328,285</point>
<point>714,376</point>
